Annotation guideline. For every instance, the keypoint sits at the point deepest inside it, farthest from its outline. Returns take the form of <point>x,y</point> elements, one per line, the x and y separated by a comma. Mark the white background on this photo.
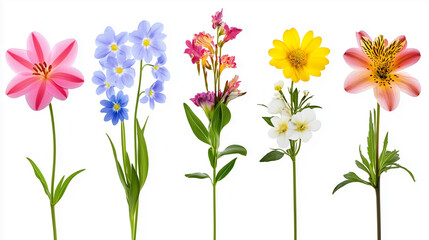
<point>255,200</point>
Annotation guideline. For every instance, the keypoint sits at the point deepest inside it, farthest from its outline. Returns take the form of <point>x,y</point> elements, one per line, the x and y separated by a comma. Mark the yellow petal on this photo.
<point>291,38</point>
<point>288,72</point>
<point>279,44</point>
<point>313,71</point>
<point>303,75</point>
<point>307,39</point>
<point>295,77</point>
<point>279,63</point>
<point>277,53</point>
<point>313,45</point>
<point>317,62</point>
<point>320,52</point>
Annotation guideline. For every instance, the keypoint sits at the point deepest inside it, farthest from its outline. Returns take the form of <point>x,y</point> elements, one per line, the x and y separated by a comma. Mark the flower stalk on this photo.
<point>54,162</point>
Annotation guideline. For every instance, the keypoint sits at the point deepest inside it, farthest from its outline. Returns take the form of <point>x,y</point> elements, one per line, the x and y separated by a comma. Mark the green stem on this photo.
<point>377,173</point>
<point>214,203</point>
<point>135,114</point>
<point>135,221</point>
<point>132,225</point>
<point>54,225</point>
<point>294,199</point>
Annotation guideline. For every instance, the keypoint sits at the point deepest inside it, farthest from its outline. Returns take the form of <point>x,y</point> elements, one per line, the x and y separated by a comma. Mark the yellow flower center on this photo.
<point>116,107</point>
<point>151,93</point>
<point>119,70</point>
<point>114,47</point>
<point>155,67</point>
<point>382,58</point>
<point>146,42</point>
<point>297,58</point>
<point>278,88</point>
<point>282,127</point>
<point>107,85</point>
<point>301,127</point>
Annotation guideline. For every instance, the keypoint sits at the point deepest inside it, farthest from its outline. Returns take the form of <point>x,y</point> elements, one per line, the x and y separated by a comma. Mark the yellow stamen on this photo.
<point>108,85</point>
<point>116,107</point>
<point>282,128</point>
<point>278,88</point>
<point>301,127</point>
<point>297,58</point>
<point>155,67</point>
<point>382,58</point>
<point>119,70</point>
<point>146,42</point>
<point>151,93</point>
<point>114,47</point>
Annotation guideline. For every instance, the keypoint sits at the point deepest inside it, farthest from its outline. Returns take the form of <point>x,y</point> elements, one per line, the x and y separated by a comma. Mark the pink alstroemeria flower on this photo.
<point>205,40</point>
<point>217,19</point>
<point>231,33</point>
<point>377,65</point>
<point>43,73</point>
<point>205,100</point>
<point>231,90</point>
<point>227,62</point>
<point>193,50</point>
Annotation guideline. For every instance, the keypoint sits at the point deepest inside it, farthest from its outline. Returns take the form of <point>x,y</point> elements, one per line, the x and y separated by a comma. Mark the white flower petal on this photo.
<point>283,141</point>
<point>308,114</point>
<point>292,134</point>
<point>276,121</point>
<point>291,126</point>
<point>273,133</point>
<point>314,125</point>
<point>306,135</point>
<point>275,106</point>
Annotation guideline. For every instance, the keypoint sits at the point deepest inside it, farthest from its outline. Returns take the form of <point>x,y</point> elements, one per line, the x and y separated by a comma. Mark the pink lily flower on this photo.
<point>377,65</point>
<point>230,33</point>
<point>231,90</point>
<point>43,73</point>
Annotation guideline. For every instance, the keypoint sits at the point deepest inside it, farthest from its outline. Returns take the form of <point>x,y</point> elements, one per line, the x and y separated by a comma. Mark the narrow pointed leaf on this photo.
<point>143,158</point>
<point>226,115</point>
<point>341,184</point>
<point>197,126</point>
<point>66,183</point>
<point>408,171</point>
<point>213,162</point>
<point>272,156</point>
<point>225,170</point>
<point>58,190</point>
<point>268,121</point>
<point>118,165</point>
<point>233,149</point>
<point>40,176</point>
<point>197,175</point>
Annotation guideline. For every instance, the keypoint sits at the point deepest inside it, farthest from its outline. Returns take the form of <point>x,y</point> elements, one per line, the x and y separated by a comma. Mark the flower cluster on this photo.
<point>298,123</point>
<point>206,52</point>
<point>117,60</point>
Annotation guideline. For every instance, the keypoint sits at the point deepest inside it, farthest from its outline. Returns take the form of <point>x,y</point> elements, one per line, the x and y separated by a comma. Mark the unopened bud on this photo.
<point>306,92</point>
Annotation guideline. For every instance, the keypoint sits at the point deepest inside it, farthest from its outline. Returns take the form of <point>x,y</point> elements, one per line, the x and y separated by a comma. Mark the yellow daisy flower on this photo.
<point>298,59</point>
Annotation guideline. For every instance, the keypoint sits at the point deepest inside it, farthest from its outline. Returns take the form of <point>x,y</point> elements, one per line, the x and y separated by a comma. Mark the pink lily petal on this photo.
<point>57,91</point>
<point>359,36</point>
<point>67,77</point>
<point>402,38</point>
<point>356,58</point>
<point>18,60</point>
<point>38,48</point>
<point>21,84</point>
<point>38,98</point>
<point>387,96</point>
<point>406,58</point>
<point>408,84</point>
<point>358,81</point>
<point>64,52</point>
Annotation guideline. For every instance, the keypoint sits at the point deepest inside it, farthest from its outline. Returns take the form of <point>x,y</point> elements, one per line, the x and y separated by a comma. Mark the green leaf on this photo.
<point>213,163</point>
<point>64,186</point>
<point>197,175</point>
<point>225,170</point>
<point>272,156</point>
<point>268,121</point>
<point>404,168</point>
<point>58,189</point>
<point>361,166</point>
<point>40,176</point>
<point>233,149</point>
<point>355,178</point>
<point>142,156</point>
<point>341,184</point>
<point>197,126</point>
<point>134,190</point>
<point>214,138</point>
<point>118,165</point>
<point>226,115</point>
